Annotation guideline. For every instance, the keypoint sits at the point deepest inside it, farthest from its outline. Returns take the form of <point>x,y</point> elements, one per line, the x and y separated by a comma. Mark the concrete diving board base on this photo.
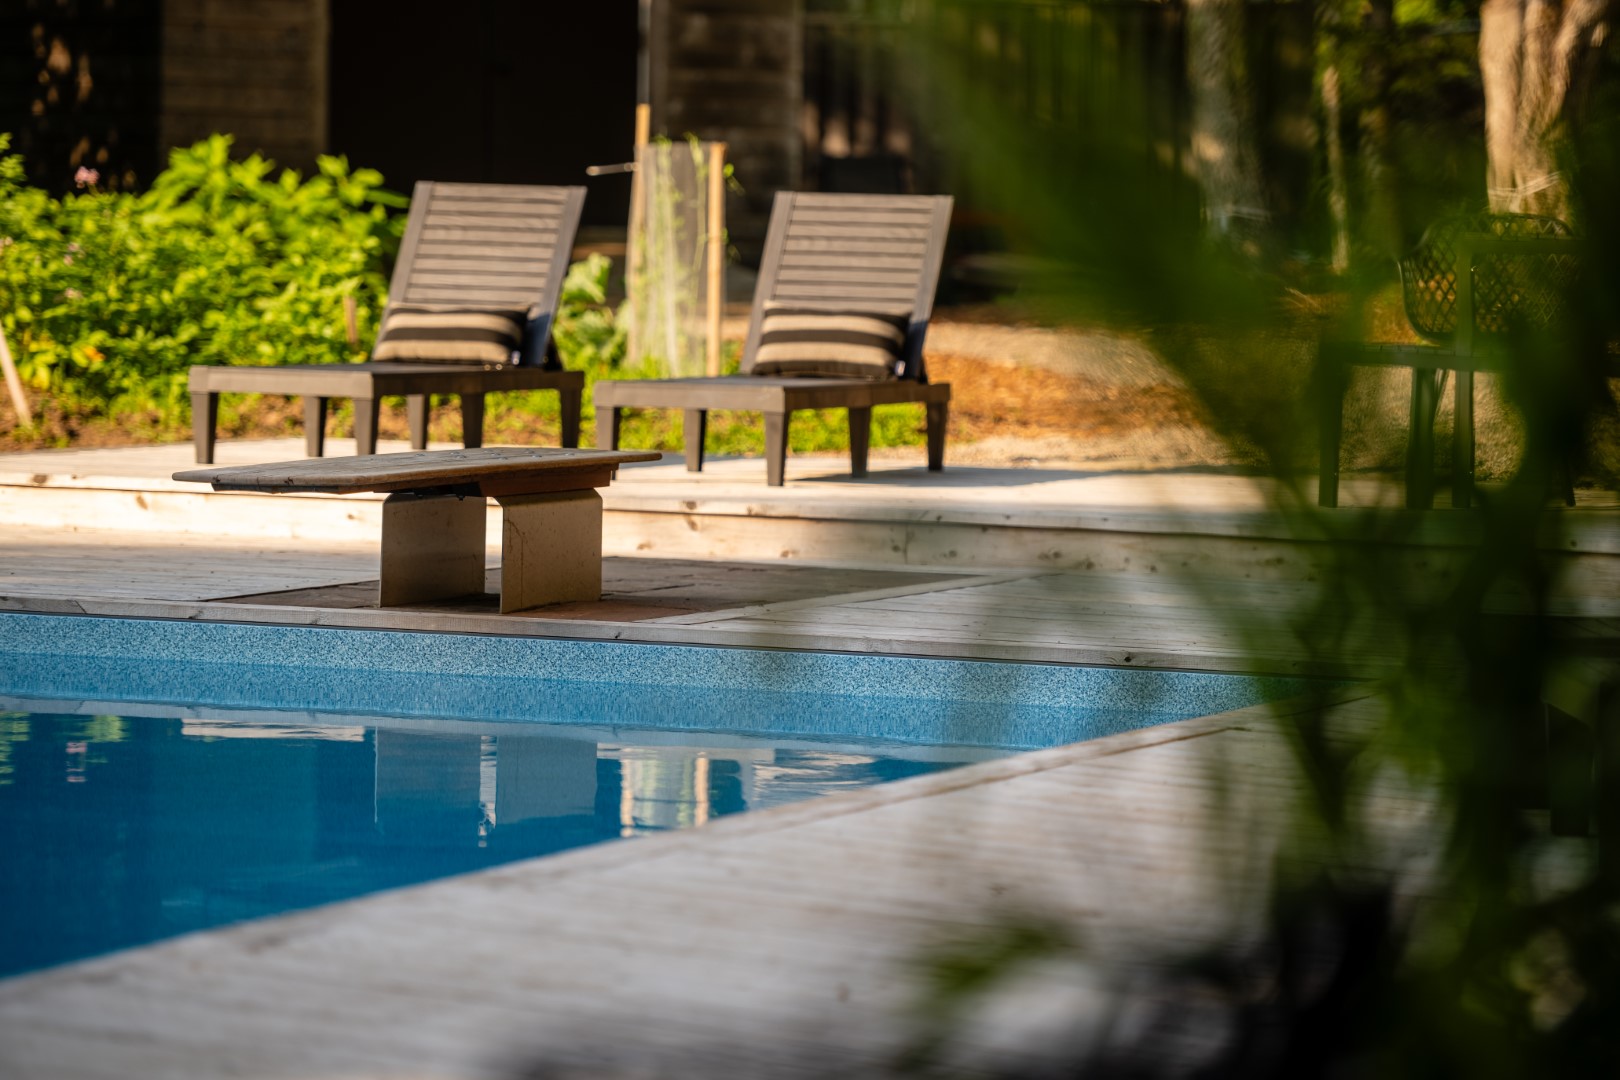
<point>433,519</point>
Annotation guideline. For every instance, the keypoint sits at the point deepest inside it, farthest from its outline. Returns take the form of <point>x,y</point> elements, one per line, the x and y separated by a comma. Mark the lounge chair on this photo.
<point>479,274</point>
<point>845,292</point>
<point>1470,280</point>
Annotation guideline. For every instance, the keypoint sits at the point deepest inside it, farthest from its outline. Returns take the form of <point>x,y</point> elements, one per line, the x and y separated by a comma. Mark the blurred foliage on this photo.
<point>108,297</point>
<point>1510,972</point>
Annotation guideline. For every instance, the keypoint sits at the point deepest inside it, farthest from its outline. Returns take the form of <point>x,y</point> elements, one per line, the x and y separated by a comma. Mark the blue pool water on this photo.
<point>158,777</point>
<point>122,830</point>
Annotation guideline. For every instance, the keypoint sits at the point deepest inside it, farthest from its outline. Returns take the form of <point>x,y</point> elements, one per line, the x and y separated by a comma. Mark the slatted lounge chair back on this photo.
<point>497,246</point>
<point>838,252</point>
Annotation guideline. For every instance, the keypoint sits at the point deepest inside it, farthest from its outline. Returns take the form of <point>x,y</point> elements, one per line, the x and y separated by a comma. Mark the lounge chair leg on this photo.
<point>365,425</point>
<point>939,414</point>
<point>204,417</point>
<point>776,428</point>
<point>860,438</point>
<point>695,425</point>
<point>1331,376</point>
<point>607,428</point>
<point>1462,440</point>
<point>314,426</point>
<point>1571,755</point>
<point>417,408</point>
<point>570,403</point>
<point>1606,797</point>
<point>472,421</point>
<point>1420,442</point>
<point>432,548</point>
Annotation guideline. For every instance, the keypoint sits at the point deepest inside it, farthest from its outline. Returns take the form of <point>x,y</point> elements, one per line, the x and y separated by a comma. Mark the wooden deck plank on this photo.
<point>50,563</point>
<point>47,563</point>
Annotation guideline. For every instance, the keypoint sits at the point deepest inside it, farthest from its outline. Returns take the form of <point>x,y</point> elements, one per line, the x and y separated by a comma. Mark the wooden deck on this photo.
<point>1118,619</point>
<point>778,943</point>
<point>1183,571</point>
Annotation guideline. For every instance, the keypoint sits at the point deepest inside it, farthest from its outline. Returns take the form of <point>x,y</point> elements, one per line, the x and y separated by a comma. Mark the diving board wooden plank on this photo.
<point>518,468</point>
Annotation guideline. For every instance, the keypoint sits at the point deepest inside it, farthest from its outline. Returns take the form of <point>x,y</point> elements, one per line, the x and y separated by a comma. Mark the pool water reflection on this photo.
<point>122,830</point>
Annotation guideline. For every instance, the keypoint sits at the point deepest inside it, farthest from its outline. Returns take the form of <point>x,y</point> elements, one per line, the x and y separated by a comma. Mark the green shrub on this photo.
<point>107,298</point>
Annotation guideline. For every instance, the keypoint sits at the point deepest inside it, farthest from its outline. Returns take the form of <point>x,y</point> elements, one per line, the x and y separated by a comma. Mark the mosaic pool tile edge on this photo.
<point>483,677</point>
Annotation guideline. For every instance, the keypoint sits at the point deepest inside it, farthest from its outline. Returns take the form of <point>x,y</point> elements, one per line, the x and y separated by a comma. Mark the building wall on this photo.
<point>79,89</point>
<point>733,70</point>
<point>255,69</point>
<point>491,91</point>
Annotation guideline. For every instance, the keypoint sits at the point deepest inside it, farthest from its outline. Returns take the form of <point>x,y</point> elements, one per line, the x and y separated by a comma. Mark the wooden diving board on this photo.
<point>433,518</point>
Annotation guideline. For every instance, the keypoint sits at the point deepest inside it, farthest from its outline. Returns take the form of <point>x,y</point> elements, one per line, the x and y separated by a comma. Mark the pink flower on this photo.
<point>86,177</point>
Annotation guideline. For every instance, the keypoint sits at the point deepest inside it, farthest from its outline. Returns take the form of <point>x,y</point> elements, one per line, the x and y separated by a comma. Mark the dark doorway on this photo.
<point>502,91</point>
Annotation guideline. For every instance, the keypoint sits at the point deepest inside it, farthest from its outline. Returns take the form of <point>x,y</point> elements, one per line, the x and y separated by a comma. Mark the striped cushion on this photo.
<point>840,344</point>
<point>450,335</point>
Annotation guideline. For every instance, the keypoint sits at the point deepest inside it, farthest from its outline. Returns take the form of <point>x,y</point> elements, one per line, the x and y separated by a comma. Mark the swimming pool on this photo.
<point>161,777</point>
<point>124,829</point>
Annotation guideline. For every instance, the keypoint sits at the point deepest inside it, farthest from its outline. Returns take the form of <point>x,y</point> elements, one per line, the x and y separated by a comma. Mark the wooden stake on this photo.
<point>14,384</point>
<point>633,253</point>
<point>643,124</point>
<point>716,261</point>
<point>351,321</point>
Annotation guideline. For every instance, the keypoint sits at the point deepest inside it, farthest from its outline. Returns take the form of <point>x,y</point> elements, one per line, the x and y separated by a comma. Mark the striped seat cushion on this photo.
<point>837,344</point>
<point>428,333</point>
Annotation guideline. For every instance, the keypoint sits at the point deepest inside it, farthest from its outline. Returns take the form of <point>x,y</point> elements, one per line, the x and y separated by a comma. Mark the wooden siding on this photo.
<point>255,69</point>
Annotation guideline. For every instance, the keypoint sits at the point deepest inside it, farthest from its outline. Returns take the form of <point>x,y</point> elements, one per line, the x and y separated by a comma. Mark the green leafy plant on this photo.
<point>589,333</point>
<point>107,298</point>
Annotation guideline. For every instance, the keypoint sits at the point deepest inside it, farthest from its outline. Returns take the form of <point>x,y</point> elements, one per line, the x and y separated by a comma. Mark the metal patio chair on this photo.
<point>1470,281</point>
